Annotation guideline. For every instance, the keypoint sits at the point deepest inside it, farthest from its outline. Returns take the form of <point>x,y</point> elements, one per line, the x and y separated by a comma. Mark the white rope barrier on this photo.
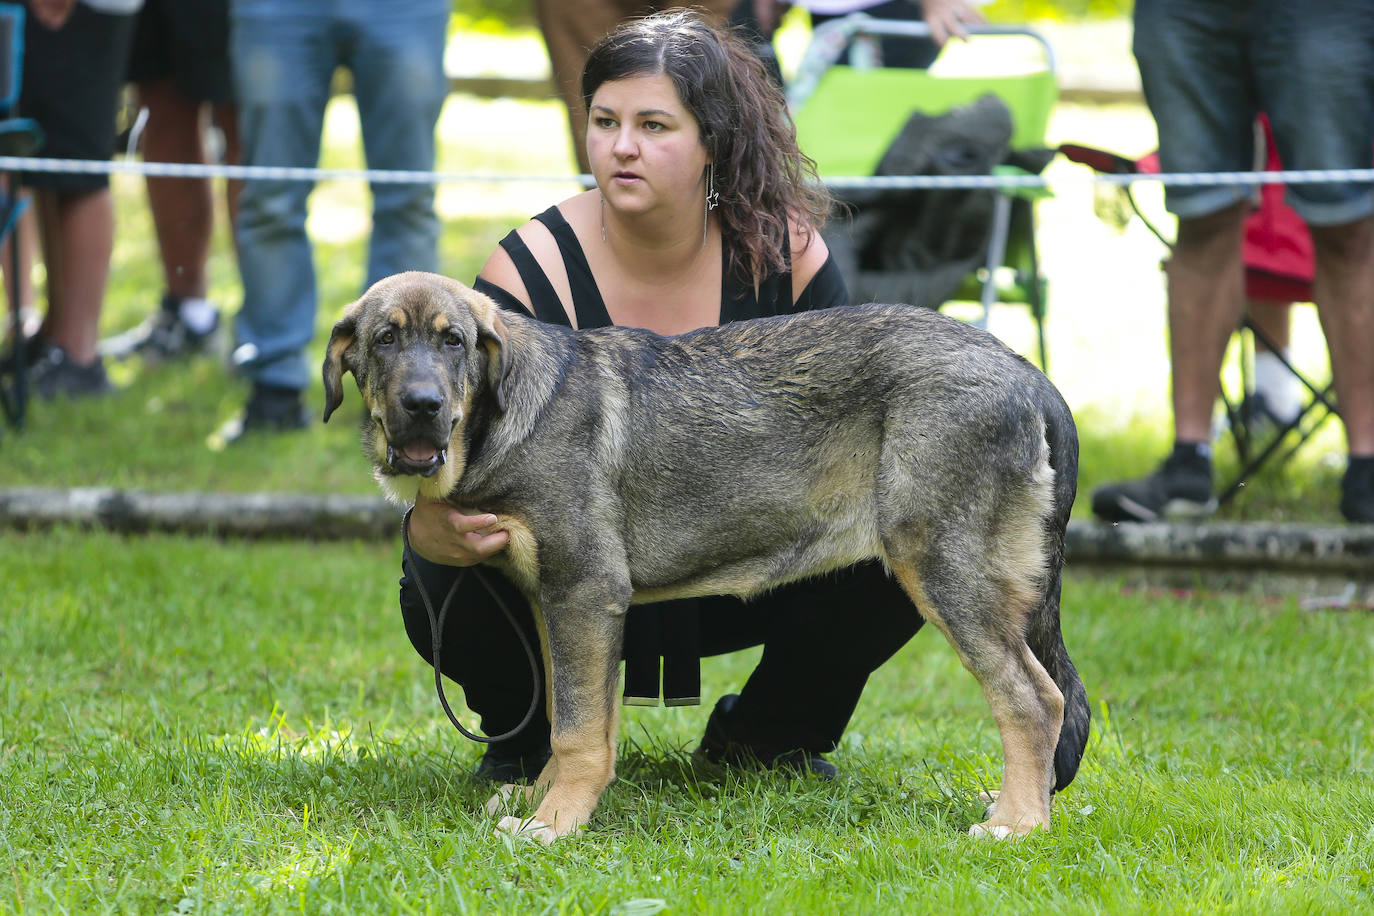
<point>885,182</point>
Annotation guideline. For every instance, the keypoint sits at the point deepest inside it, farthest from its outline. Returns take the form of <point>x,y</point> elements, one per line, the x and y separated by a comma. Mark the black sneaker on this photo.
<point>269,409</point>
<point>1357,492</point>
<point>1181,488</point>
<point>510,767</point>
<point>719,747</point>
<point>53,373</point>
<point>180,327</point>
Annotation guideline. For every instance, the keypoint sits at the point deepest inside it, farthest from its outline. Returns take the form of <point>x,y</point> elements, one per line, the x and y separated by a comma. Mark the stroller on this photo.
<point>927,246</point>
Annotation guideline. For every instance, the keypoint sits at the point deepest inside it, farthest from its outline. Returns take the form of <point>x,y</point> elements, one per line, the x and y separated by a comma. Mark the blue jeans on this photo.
<point>1209,67</point>
<point>284,53</point>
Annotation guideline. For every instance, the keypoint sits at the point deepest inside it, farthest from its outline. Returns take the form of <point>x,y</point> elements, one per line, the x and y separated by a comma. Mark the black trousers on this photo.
<point>821,640</point>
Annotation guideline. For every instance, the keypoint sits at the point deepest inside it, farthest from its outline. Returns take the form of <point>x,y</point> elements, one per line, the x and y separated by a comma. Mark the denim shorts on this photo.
<point>1208,67</point>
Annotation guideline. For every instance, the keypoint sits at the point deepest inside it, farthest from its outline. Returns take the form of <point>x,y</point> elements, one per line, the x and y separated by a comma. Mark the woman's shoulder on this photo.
<point>538,239</point>
<point>808,252</point>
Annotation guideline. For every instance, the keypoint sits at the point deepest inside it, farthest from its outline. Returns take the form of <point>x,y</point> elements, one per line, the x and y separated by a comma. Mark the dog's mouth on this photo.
<point>418,457</point>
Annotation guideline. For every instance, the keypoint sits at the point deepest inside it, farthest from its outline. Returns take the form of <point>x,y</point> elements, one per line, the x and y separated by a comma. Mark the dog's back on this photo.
<point>794,445</point>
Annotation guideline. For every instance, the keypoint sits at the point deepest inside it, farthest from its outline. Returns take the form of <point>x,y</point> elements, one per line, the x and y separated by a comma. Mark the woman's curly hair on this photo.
<point>760,174</point>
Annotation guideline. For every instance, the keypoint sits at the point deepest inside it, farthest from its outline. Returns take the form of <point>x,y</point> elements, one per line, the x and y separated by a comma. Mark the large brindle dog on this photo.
<point>730,460</point>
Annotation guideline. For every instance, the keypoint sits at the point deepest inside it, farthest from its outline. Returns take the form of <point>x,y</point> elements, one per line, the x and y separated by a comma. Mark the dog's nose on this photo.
<point>422,401</point>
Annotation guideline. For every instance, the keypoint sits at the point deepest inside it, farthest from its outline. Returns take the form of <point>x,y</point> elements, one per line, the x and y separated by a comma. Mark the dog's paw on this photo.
<point>990,831</point>
<point>989,801</point>
<point>527,827</point>
<point>503,798</point>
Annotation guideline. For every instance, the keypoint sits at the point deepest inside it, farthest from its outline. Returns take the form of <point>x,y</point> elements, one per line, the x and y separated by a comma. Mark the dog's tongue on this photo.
<point>419,452</point>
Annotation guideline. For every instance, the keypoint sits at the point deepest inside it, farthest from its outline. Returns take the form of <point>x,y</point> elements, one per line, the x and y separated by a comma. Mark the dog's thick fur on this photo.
<point>630,467</point>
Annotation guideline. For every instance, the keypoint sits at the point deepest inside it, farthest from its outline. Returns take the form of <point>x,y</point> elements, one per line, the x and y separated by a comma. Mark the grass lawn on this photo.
<point>195,726</point>
<point>190,725</point>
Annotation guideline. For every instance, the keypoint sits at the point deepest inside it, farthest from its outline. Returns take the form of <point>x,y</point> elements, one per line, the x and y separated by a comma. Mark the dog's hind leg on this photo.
<point>985,621</point>
<point>583,628</point>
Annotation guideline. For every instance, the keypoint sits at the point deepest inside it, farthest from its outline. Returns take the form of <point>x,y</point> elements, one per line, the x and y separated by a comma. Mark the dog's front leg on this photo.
<point>583,629</point>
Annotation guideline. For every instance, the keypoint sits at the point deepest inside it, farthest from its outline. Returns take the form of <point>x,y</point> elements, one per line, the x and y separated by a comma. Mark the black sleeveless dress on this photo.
<point>808,630</point>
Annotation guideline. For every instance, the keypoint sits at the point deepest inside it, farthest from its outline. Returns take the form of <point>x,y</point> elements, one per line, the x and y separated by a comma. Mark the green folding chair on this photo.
<point>847,117</point>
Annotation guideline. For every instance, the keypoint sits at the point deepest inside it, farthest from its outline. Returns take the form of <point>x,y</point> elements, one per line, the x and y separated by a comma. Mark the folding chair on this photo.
<point>849,117</point>
<point>1276,270</point>
<point>18,137</point>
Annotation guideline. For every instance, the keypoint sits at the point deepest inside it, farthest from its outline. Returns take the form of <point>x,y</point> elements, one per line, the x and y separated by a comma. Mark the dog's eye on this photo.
<point>386,338</point>
<point>453,339</point>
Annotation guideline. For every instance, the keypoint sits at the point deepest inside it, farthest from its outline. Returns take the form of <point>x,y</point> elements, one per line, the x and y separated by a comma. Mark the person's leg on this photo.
<point>1345,296</point>
<point>182,208</point>
<point>1194,68</point>
<point>1206,300</point>
<point>283,62</point>
<point>484,653</point>
<point>77,229</point>
<point>398,80</point>
<point>570,29</point>
<point>822,638</point>
<point>1313,69</point>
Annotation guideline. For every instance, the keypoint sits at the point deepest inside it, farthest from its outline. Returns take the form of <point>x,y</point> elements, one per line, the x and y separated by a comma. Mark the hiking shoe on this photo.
<point>269,409</point>
<point>1181,488</point>
<point>719,747</point>
<point>180,327</point>
<point>53,373</point>
<point>507,766</point>
<point>1357,492</point>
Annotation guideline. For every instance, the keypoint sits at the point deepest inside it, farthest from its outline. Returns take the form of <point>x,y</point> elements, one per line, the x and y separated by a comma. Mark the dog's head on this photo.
<point>422,348</point>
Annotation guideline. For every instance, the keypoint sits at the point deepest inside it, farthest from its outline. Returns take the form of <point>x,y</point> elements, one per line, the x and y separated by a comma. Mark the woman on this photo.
<point>704,212</point>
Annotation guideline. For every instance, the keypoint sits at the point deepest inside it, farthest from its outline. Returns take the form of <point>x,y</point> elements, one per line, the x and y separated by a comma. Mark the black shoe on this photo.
<point>505,766</point>
<point>269,409</point>
<point>53,373</point>
<point>1357,492</point>
<point>1181,488</point>
<point>180,327</point>
<point>720,747</point>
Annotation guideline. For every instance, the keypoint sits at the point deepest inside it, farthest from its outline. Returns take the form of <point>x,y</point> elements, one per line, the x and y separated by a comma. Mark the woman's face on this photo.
<point>644,145</point>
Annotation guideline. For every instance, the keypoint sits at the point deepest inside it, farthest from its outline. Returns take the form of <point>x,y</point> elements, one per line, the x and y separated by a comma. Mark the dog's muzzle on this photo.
<point>416,458</point>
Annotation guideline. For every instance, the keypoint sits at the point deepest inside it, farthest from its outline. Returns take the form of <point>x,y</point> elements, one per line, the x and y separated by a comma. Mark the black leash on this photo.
<point>436,631</point>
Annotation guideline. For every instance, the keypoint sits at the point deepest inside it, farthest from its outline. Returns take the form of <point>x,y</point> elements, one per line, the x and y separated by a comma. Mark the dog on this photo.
<point>729,460</point>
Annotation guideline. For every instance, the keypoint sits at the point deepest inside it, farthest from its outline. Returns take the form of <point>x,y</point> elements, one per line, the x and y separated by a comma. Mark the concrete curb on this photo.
<point>1287,557</point>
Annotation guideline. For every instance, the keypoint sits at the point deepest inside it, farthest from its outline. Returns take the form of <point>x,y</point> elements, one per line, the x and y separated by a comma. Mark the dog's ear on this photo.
<point>337,357</point>
<point>494,335</point>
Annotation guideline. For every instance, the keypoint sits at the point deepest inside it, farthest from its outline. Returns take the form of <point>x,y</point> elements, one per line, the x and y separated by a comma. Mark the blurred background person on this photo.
<point>180,68</point>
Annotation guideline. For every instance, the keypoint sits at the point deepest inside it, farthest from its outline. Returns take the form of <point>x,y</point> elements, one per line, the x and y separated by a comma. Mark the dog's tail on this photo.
<point>1045,637</point>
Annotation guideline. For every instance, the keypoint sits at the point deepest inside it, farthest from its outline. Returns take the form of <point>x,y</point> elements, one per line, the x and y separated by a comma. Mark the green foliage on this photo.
<point>494,15</point>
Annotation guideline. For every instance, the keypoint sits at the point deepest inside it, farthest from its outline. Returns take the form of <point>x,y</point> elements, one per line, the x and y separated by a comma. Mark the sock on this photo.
<point>1281,390</point>
<point>200,315</point>
<point>1194,453</point>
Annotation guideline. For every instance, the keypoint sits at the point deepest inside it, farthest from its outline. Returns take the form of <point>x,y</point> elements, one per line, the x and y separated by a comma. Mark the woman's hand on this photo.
<point>946,18</point>
<point>443,534</point>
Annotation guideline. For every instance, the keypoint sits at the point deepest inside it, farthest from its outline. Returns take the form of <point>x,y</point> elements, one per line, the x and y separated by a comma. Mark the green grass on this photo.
<point>188,725</point>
